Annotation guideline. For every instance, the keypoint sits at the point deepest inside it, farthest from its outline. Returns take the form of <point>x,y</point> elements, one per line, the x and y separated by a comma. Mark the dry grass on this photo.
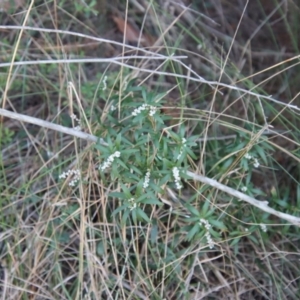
<point>59,242</point>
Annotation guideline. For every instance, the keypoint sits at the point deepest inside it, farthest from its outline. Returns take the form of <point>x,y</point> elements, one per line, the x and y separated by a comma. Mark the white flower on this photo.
<point>247,156</point>
<point>256,163</point>
<point>209,240</point>
<point>180,153</point>
<point>181,149</point>
<point>263,227</point>
<point>207,234</point>
<point>177,178</point>
<point>244,189</point>
<point>112,108</point>
<point>133,205</point>
<point>75,174</point>
<point>147,179</point>
<point>109,161</point>
<point>152,110</point>
<point>74,117</point>
<point>206,224</point>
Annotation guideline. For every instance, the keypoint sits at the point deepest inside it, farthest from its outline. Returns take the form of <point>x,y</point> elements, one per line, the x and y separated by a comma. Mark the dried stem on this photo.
<point>263,205</point>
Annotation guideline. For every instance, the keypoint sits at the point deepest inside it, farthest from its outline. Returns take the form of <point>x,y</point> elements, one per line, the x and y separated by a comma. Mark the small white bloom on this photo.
<point>180,153</point>
<point>207,234</point>
<point>244,189</point>
<point>147,179</point>
<point>74,117</point>
<point>133,205</point>
<point>109,161</point>
<point>247,156</point>
<point>176,173</point>
<point>263,227</point>
<point>75,175</point>
<point>112,108</point>
<point>256,163</point>
<point>209,240</point>
<point>178,185</point>
<point>177,178</point>
<point>152,111</point>
<point>206,224</point>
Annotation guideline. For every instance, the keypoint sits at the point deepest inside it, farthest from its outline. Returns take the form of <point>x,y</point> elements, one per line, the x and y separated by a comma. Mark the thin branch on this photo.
<point>87,60</point>
<point>263,205</point>
<point>49,125</point>
<point>198,79</point>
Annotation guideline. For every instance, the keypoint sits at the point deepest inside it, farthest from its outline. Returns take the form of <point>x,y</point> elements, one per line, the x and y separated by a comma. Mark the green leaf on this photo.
<point>205,208</point>
<point>100,249</point>
<point>282,203</point>
<point>234,241</point>
<point>158,119</point>
<point>196,228</point>
<point>102,149</point>
<point>115,171</point>
<point>126,190</point>
<point>119,161</point>
<point>152,201</point>
<point>218,224</point>
<point>227,163</point>
<point>119,209</point>
<point>134,216</point>
<point>125,217</point>
<point>129,151</point>
<point>190,153</point>
<point>253,238</point>
<point>142,215</point>
<point>245,164</point>
<point>261,153</point>
<point>117,195</point>
<point>192,209</point>
<point>156,187</point>
<point>154,233</point>
<point>144,95</point>
<point>137,170</point>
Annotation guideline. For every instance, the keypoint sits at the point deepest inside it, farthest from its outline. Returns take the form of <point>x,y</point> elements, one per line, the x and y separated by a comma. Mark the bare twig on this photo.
<point>263,205</point>
<point>195,79</point>
<point>49,125</point>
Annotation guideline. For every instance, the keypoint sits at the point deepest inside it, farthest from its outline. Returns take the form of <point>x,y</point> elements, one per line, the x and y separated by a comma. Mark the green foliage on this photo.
<point>146,145</point>
<point>6,136</point>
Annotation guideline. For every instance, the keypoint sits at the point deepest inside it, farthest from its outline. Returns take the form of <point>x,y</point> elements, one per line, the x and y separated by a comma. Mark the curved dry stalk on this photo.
<point>263,205</point>
<point>195,79</point>
<point>116,60</point>
<point>49,125</point>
